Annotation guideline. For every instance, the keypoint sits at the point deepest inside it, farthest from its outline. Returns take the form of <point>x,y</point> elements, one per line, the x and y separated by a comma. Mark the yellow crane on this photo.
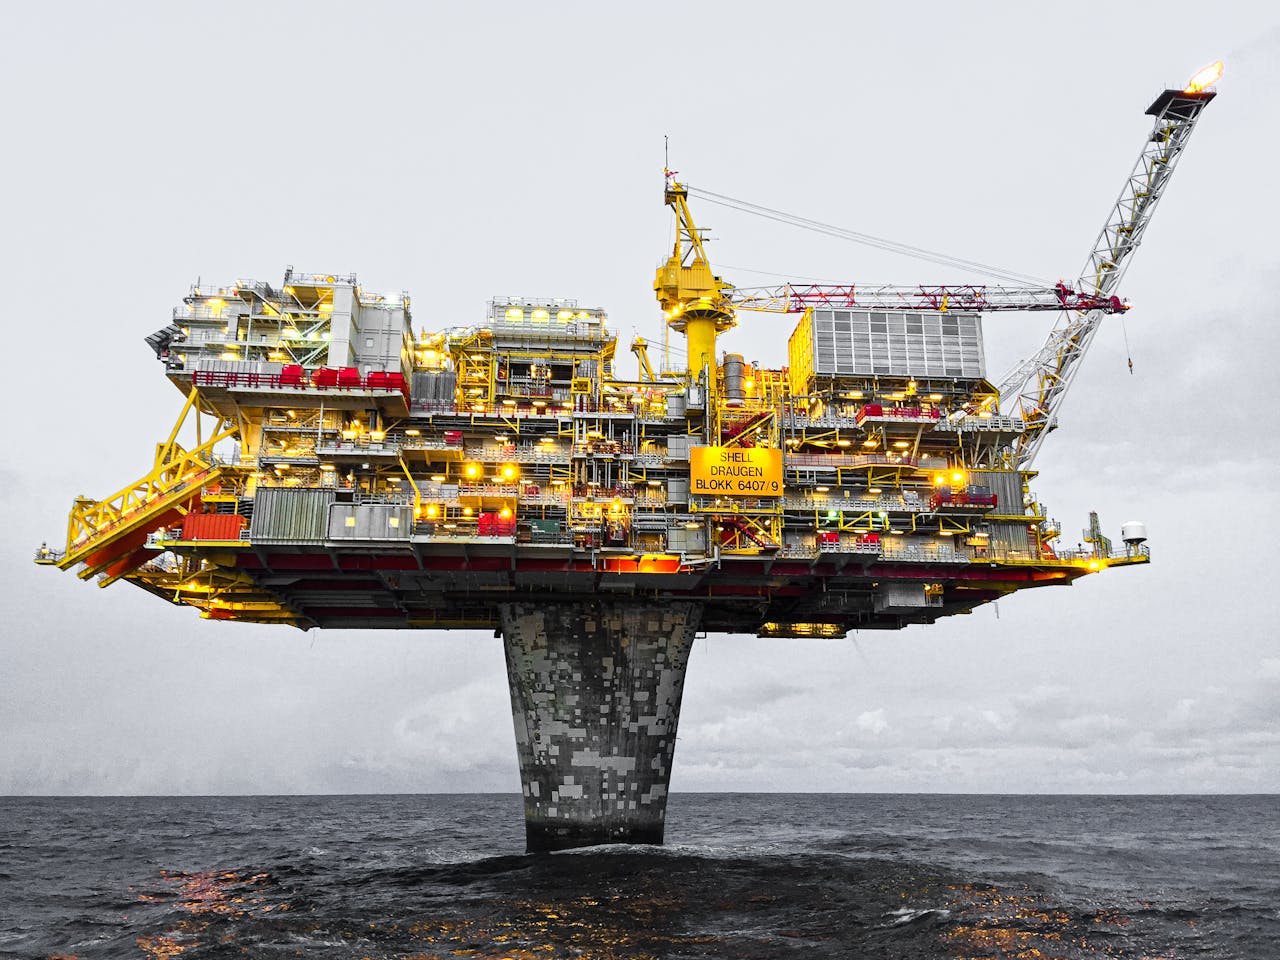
<point>694,301</point>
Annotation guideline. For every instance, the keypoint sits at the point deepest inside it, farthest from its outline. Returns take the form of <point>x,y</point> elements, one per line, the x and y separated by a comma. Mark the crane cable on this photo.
<point>879,243</point>
<point>1128,354</point>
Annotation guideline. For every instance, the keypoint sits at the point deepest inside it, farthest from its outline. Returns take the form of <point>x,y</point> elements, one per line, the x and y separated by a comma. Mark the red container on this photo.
<point>291,375</point>
<point>325,377</point>
<point>349,377</point>
<point>493,525</point>
<point>378,380</point>
<point>396,381</point>
<point>212,526</point>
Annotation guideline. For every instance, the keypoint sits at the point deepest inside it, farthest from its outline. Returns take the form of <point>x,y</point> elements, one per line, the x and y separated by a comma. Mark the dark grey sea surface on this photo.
<point>742,876</point>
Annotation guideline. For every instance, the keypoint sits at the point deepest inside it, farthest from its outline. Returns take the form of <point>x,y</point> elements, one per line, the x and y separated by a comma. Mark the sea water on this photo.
<point>741,875</point>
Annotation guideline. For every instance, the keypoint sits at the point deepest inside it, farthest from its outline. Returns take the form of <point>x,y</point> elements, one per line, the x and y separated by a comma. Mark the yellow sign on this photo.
<point>735,471</point>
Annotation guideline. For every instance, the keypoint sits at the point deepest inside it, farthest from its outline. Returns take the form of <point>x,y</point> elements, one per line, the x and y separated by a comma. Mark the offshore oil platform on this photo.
<point>344,470</point>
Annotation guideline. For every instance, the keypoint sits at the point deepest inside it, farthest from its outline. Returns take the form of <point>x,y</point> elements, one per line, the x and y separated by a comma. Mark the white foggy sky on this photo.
<point>467,151</point>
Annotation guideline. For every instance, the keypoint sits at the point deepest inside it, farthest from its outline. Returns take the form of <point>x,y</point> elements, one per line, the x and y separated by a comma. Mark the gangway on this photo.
<point>109,536</point>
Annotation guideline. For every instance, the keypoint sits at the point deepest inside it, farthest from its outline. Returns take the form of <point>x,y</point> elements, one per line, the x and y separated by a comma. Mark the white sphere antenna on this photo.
<point>1133,532</point>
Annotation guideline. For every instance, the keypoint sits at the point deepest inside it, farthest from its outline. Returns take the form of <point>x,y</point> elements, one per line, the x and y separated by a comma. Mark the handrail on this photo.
<point>848,460</point>
<point>394,382</point>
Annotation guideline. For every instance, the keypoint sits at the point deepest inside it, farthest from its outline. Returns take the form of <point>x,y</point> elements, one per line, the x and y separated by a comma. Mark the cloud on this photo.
<point>1180,714</point>
<point>873,721</point>
<point>1046,737</point>
<point>996,719</point>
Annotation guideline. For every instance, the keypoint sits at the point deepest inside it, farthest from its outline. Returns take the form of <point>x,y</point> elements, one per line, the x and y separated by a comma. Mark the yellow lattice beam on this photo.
<point>176,475</point>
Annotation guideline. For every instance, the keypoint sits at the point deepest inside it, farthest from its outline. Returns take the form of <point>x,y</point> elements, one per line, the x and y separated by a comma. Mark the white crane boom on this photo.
<point>975,298</point>
<point>1034,389</point>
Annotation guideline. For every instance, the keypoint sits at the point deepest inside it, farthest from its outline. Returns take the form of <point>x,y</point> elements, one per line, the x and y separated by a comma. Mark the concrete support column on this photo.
<point>595,695</point>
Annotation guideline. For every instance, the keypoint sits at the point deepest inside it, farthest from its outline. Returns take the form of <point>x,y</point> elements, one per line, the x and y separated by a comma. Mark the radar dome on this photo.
<point>1133,531</point>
